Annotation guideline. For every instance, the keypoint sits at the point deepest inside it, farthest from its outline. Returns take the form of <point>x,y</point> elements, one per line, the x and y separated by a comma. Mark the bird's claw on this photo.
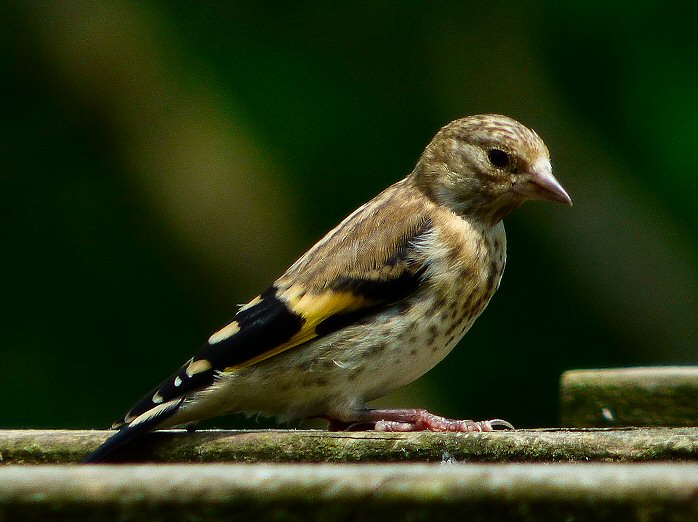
<point>422,420</point>
<point>496,423</point>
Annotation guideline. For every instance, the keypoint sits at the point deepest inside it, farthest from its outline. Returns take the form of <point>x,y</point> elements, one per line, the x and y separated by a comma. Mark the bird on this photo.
<point>376,303</point>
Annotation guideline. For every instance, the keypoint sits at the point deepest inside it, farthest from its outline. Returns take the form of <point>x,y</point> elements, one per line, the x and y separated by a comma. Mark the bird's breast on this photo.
<point>465,263</point>
<point>401,344</point>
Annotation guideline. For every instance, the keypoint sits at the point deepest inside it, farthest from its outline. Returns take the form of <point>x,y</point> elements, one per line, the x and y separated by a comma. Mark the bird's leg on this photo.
<point>338,425</point>
<point>417,420</point>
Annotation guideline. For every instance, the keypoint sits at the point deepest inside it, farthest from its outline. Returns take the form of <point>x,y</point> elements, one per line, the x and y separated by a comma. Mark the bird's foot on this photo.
<point>415,420</point>
<point>339,425</point>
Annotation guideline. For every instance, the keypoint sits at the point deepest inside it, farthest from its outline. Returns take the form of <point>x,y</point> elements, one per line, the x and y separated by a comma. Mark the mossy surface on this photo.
<point>630,397</point>
<point>541,445</point>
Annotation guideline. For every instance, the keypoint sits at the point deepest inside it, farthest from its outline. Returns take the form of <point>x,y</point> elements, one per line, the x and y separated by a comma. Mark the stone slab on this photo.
<point>296,492</point>
<point>652,396</point>
<point>539,445</point>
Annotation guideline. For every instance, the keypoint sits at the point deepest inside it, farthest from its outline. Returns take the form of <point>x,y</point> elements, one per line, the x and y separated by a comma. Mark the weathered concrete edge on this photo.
<point>233,492</point>
<point>642,396</point>
<point>542,445</point>
<point>646,376</point>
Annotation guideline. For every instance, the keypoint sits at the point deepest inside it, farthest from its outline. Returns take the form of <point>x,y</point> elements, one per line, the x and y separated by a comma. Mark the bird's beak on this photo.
<point>541,184</point>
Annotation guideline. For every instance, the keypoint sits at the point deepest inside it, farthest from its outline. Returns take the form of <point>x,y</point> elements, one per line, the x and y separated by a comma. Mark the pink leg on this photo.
<point>416,420</point>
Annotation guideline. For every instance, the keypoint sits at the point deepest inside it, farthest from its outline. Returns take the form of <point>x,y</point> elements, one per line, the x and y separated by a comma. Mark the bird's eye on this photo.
<point>498,158</point>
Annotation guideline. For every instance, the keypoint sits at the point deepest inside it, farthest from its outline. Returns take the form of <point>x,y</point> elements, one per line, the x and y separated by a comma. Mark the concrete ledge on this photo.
<point>351,492</point>
<point>657,396</point>
<point>541,445</point>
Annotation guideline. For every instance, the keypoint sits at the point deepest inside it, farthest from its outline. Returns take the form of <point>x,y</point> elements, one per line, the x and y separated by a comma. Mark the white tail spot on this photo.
<point>198,366</point>
<point>252,303</point>
<point>157,410</point>
<point>224,333</point>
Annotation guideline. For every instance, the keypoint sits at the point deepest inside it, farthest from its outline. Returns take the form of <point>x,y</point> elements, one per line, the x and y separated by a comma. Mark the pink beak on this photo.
<point>541,184</point>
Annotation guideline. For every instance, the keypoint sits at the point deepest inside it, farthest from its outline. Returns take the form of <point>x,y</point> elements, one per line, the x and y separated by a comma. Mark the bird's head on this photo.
<point>485,166</point>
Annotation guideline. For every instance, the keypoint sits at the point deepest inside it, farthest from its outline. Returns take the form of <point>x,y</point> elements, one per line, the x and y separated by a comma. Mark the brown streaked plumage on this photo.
<point>376,303</point>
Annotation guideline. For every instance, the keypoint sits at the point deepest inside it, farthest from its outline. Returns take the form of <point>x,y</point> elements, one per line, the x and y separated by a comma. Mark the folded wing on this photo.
<point>355,271</point>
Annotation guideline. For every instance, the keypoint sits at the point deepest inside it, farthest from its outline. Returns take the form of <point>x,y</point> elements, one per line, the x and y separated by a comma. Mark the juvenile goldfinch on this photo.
<point>375,304</point>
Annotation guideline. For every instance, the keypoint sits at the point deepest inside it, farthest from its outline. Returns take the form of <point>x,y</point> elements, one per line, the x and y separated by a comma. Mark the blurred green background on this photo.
<point>162,162</point>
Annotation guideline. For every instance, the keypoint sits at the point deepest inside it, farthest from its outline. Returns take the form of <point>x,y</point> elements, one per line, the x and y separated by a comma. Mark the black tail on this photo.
<point>128,433</point>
